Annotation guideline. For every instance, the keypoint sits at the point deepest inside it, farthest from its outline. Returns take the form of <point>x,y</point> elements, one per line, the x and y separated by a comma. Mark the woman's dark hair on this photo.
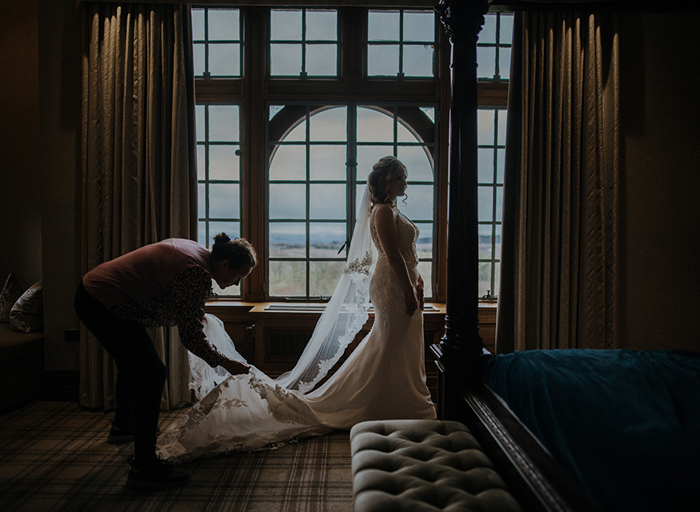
<point>385,170</point>
<point>238,252</point>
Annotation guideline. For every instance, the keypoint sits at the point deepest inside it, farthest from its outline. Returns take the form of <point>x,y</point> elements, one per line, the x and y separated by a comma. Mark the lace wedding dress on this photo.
<point>383,378</point>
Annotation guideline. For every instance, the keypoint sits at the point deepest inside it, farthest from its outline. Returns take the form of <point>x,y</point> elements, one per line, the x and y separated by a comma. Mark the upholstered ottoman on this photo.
<point>423,465</point>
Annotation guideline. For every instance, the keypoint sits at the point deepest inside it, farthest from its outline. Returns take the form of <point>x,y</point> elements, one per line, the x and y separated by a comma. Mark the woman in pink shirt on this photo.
<point>162,284</point>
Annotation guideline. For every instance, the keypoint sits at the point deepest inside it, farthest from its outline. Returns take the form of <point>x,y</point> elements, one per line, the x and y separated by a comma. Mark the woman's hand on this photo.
<point>420,291</point>
<point>411,302</point>
<point>235,367</point>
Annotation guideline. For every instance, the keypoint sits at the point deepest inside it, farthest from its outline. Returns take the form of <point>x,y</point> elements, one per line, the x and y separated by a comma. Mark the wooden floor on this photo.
<point>54,457</point>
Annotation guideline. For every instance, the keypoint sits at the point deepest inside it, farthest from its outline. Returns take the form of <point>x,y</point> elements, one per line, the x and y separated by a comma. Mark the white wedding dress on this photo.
<point>383,378</point>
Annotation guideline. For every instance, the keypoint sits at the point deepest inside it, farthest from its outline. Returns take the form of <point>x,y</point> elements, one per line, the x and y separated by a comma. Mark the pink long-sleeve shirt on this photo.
<point>162,284</point>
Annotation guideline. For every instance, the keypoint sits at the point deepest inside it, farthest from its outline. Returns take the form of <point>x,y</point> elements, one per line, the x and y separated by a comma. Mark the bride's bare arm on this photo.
<point>388,234</point>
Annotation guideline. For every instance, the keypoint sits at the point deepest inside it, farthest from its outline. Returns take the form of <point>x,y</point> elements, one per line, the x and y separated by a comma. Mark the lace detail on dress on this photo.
<point>359,266</point>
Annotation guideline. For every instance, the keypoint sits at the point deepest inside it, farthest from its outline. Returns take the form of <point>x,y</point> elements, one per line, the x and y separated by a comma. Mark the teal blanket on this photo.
<point>624,424</point>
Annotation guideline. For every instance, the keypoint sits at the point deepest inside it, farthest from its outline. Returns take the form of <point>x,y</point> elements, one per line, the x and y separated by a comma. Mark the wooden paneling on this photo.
<point>273,339</point>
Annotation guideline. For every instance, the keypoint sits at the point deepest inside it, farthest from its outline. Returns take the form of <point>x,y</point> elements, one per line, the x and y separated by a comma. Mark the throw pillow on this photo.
<point>13,290</point>
<point>27,313</point>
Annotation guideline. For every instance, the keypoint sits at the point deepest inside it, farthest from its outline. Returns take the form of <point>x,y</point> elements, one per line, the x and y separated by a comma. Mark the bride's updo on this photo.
<point>379,179</point>
<point>238,252</point>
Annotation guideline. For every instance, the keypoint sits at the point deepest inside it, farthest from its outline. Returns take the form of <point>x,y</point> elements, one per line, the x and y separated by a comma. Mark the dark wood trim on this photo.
<point>537,480</point>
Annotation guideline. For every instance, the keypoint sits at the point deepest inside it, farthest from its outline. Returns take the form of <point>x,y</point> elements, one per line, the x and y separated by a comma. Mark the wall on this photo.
<point>661,124</point>
<point>40,60</point>
<point>60,93</point>
<point>20,207</point>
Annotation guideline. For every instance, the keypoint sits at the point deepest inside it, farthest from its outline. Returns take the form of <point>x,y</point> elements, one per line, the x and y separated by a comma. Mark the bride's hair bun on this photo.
<point>379,179</point>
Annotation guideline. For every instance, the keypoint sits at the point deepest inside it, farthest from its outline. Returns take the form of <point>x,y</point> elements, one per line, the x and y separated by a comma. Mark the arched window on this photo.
<point>319,159</point>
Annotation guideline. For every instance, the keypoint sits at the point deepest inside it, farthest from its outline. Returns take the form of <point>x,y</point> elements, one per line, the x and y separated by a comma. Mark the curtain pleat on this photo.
<point>561,193</point>
<point>139,161</point>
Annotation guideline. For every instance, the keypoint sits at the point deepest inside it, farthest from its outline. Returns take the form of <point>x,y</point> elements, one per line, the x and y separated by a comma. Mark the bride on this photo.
<point>383,378</point>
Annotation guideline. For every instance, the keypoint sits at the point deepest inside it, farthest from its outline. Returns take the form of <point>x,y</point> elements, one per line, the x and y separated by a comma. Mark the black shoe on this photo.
<point>122,435</point>
<point>155,474</point>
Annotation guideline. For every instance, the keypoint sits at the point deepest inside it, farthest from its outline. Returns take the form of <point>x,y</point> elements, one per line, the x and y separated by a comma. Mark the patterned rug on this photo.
<point>54,456</point>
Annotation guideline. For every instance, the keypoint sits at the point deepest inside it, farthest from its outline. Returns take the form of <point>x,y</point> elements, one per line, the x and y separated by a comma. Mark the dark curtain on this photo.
<point>139,182</point>
<point>561,215</point>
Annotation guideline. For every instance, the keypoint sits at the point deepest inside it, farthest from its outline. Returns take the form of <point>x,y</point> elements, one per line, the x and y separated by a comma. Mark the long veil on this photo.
<point>345,313</point>
<point>342,318</point>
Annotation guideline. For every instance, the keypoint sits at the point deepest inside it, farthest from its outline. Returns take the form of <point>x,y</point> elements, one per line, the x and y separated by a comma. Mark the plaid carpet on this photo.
<point>55,457</point>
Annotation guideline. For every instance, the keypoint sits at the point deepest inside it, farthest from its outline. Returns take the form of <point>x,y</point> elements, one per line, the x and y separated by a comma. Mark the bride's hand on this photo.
<point>235,367</point>
<point>420,290</point>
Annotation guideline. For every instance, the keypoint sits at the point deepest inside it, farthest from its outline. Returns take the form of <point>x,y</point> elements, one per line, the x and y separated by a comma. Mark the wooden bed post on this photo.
<point>459,351</point>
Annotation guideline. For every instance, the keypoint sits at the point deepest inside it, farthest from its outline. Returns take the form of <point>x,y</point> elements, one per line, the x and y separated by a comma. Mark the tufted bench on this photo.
<point>423,465</point>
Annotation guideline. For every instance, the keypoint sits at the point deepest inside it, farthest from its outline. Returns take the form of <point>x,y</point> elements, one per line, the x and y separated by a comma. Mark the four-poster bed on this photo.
<point>653,394</point>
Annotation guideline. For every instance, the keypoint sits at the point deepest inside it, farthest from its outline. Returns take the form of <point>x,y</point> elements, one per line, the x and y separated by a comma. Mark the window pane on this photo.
<point>497,247</point>
<point>383,60</point>
<point>288,163</point>
<point>285,25</point>
<point>488,30</point>
<point>502,118</point>
<point>425,268</point>
<point>199,60</point>
<point>417,163</point>
<point>200,115</point>
<point>285,59</point>
<point>202,233</point>
<point>419,204</point>
<point>500,165</point>
<point>499,204</point>
<point>504,63</point>
<point>329,125</point>
<point>201,200</point>
<point>326,239</point>
<point>418,60</point>
<point>486,59</point>
<point>224,25</point>
<point>485,241</point>
<point>287,278</point>
<point>321,60</point>
<point>287,201</point>
<point>321,25</point>
<point>485,204</point>
<point>223,123</point>
<point>201,161</point>
<point>374,126</point>
<point>230,291</point>
<point>223,163</point>
<point>224,200</point>
<point>298,133</point>
<point>506,35</point>
<point>485,165</point>
<point>287,239</point>
<point>367,156</point>
<point>485,124</point>
<point>224,59</point>
<point>324,276</point>
<point>197,24</point>
<point>424,244</point>
<point>419,26</point>
<point>232,229</point>
<point>327,162</point>
<point>384,26</point>
<point>327,201</point>
<point>485,279</point>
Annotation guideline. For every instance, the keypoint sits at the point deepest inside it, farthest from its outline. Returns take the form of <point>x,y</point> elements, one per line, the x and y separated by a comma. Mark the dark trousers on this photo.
<point>141,374</point>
